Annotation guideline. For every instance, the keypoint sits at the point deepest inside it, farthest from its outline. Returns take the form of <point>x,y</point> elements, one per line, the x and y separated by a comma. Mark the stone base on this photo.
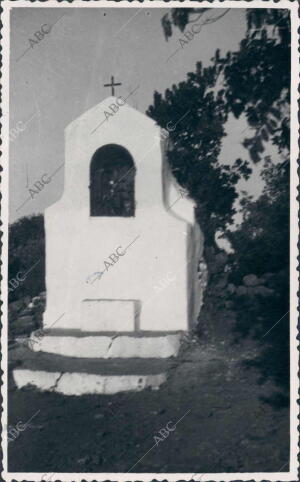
<point>73,376</point>
<point>76,363</point>
<point>86,384</point>
<point>136,345</point>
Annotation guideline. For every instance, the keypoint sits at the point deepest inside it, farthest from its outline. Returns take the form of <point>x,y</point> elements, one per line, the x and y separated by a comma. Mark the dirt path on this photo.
<point>222,425</point>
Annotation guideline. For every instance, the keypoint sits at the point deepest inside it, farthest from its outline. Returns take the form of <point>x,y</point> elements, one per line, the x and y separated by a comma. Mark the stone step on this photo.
<point>113,345</point>
<point>74,376</point>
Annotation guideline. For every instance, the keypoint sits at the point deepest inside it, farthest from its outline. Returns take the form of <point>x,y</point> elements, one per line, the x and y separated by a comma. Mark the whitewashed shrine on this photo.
<point>122,247</point>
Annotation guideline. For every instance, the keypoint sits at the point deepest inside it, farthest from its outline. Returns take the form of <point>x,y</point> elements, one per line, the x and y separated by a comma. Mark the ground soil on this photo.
<point>222,423</point>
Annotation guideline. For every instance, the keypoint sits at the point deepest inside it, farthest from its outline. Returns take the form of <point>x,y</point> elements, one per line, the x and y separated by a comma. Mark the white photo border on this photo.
<point>292,475</point>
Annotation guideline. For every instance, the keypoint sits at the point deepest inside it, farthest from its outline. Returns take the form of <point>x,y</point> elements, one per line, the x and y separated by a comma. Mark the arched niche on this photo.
<point>112,179</point>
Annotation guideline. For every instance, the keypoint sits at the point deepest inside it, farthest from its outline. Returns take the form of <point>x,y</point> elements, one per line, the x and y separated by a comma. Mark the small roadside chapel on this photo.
<point>120,229</point>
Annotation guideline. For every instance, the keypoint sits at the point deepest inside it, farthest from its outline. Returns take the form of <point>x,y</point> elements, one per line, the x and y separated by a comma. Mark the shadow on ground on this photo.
<point>223,424</point>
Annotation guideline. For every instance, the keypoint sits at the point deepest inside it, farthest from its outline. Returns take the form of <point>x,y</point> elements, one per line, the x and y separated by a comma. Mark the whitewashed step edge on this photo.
<point>117,346</point>
<point>85,384</point>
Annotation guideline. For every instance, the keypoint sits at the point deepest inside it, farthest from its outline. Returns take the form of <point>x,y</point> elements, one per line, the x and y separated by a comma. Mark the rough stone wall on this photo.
<point>224,299</point>
<point>25,315</point>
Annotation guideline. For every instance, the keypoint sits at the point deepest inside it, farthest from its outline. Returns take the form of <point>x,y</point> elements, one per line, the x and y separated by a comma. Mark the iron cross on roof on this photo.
<point>112,85</point>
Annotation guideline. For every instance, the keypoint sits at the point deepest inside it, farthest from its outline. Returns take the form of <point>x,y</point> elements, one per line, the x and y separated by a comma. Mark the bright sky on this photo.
<point>63,75</point>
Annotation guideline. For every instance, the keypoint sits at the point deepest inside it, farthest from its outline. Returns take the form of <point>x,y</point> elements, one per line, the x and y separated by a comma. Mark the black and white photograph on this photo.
<point>149,223</point>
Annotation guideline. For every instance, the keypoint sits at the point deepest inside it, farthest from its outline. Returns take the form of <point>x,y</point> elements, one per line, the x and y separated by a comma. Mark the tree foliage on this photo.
<point>199,115</point>
<point>27,255</point>
<point>256,78</point>
<point>261,241</point>
<point>254,82</point>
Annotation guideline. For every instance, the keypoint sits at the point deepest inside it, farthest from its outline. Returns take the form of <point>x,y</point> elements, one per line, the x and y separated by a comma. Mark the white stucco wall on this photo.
<point>77,244</point>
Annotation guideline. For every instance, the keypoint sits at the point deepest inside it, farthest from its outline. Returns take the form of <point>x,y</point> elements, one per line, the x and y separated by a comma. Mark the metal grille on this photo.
<point>112,186</point>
